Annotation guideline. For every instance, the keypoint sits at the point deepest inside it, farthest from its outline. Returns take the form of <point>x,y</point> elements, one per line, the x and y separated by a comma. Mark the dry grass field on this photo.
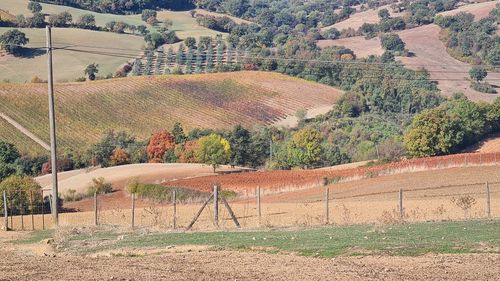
<point>143,105</point>
<point>479,10</point>
<point>359,18</point>
<point>361,47</point>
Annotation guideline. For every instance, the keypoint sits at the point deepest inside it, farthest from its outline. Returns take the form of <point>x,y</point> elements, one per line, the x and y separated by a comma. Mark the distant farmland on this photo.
<point>143,105</point>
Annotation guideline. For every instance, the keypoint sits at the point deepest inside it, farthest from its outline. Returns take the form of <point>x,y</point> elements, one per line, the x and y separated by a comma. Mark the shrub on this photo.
<point>99,186</point>
<point>161,193</point>
<point>483,87</point>
<point>19,190</point>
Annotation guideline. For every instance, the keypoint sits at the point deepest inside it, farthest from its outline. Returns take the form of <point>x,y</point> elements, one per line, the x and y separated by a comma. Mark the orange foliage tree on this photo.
<point>120,157</point>
<point>159,143</point>
<point>186,154</point>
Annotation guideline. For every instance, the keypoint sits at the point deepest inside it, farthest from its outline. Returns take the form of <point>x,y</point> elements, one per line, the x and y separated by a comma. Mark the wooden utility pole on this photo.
<point>174,203</point>
<point>5,212</point>
<point>216,205</point>
<point>52,121</point>
<point>488,200</point>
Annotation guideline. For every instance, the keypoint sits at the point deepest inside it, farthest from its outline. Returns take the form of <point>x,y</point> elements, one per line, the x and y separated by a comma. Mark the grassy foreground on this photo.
<point>407,240</point>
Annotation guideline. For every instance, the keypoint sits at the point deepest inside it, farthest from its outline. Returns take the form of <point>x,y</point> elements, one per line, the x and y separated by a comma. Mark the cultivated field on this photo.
<point>479,10</point>
<point>359,18</point>
<point>185,25</point>
<point>23,143</point>
<point>143,105</point>
<point>361,47</point>
<point>452,75</point>
<point>69,65</point>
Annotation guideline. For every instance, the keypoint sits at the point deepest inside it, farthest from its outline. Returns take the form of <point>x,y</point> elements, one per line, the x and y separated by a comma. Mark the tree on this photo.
<point>62,19</point>
<point>477,73</point>
<point>190,42</point>
<point>384,14</point>
<point>86,21</point>
<point>433,132</point>
<point>91,70</point>
<point>120,157</point>
<point>304,149</point>
<point>392,42</point>
<point>36,21</point>
<point>159,143</point>
<point>147,14</point>
<point>178,133</point>
<point>241,143</point>
<point>20,200</point>
<point>13,40</point>
<point>8,152</point>
<point>34,7</point>
<point>213,150</point>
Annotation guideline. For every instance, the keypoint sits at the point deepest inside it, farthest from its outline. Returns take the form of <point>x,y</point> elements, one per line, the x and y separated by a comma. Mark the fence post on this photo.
<point>327,207</point>
<point>174,203</point>
<point>95,209</point>
<point>21,210</point>
<point>133,210</point>
<point>5,212</point>
<point>216,205</point>
<point>43,212</point>
<point>11,215</point>
<point>401,210</point>
<point>32,216</point>
<point>488,200</point>
<point>259,212</point>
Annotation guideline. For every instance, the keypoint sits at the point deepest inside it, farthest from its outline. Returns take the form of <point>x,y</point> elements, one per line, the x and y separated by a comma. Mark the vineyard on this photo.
<point>143,105</point>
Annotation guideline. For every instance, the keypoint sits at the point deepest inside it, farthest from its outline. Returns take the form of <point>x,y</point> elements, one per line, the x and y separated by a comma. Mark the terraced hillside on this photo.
<point>145,104</point>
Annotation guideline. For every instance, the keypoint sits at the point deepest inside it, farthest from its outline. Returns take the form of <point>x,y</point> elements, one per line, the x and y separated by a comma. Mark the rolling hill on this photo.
<point>143,105</point>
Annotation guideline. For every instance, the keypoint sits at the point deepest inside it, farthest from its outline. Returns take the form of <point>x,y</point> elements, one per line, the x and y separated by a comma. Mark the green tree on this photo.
<point>190,42</point>
<point>304,149</point>
<point>34,7</point>
<point>13,40</point>
<point>240,146</point>
<point>8,152</point>
<point>478,73</point>
<point>91,70</point>
<point>86,21</point>
<point>433,132</point>
<point>384,14</point>
<point>20,200</point>
<point>213,150</point>
<point>392,42</point>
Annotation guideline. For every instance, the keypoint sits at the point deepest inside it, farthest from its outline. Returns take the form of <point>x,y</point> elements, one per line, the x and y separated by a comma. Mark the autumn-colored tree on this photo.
<point>120,157</point>
<point>159,143</point>
<point>304,149</point>
<point>187,152</point>
<point>213,150</point>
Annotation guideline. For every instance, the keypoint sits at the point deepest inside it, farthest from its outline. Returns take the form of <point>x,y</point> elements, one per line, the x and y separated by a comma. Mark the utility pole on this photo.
<point>52,120</point>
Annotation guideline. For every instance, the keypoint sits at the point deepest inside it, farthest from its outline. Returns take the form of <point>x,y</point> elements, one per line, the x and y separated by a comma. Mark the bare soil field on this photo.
<point>489,145</point>
<point>362,48</point>
<point>451,74</point>
<point>213,265</point>
<point>359,18</point>
<point>479,10</point>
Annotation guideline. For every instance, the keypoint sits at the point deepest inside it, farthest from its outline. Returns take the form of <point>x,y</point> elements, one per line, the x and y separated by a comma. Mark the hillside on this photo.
<point>143,105</point>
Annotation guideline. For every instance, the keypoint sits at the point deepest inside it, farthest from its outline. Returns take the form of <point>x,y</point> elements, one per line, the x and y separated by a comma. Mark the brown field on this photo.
<point>490,145</point>
<point>361,47</point>
<point>40,262</point>
<point>4,15</point>
<point>359,18</point>
<point>209,13</point>
<point>451,74</point>
<point>479,10</point>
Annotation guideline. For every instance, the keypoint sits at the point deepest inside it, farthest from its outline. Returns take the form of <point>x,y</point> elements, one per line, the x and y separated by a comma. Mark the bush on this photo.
<point>161,193</point>
<point>483,87</point>
<point>99,186</point>
<point>19,190</point>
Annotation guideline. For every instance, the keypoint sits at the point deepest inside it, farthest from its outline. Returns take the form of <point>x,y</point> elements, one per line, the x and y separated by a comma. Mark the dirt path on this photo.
<point>25,131</point>
<point>232,265</point>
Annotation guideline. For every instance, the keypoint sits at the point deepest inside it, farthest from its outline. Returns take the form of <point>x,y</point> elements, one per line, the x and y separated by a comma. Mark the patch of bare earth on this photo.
<point>489,145</point>
<point>359,18</point>
<point>479,10</point>
<point>451,74</point>
<point>233,265</point>
<point>361,47</point>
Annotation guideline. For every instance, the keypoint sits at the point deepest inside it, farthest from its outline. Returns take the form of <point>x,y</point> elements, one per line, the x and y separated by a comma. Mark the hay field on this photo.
<point>69,65</point>
<point>356,20</point>
<point>142,105</point>
<point>362,48</point>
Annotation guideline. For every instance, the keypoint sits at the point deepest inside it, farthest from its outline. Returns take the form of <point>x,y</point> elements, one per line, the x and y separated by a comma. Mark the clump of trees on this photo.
<point>13,41</point>
<point>477,74</point>
<point>123,7</point>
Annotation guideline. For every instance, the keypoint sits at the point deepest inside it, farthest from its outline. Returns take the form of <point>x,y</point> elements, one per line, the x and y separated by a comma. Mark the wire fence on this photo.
<point>317,206</point>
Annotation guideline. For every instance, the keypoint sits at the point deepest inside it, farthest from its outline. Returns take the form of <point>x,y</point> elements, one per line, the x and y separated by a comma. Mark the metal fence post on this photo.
<point>174,203</point>
<point>259,210</point>
<point>95,209</point>
<point>327,206</point>
<point>5,212</point>
<point>488,200</point>
<point>133,210</point>
<point>401,210</point>
<point>216,205</point>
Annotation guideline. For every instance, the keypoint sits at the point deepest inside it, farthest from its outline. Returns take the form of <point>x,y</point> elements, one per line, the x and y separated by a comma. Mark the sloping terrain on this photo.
<point>142,105</point>
<point>358,44</point>
<point>112,51</point>
<point>479,10</point>
<point>452,75</point>
<point>489,145</point>
<point>359,18</point>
